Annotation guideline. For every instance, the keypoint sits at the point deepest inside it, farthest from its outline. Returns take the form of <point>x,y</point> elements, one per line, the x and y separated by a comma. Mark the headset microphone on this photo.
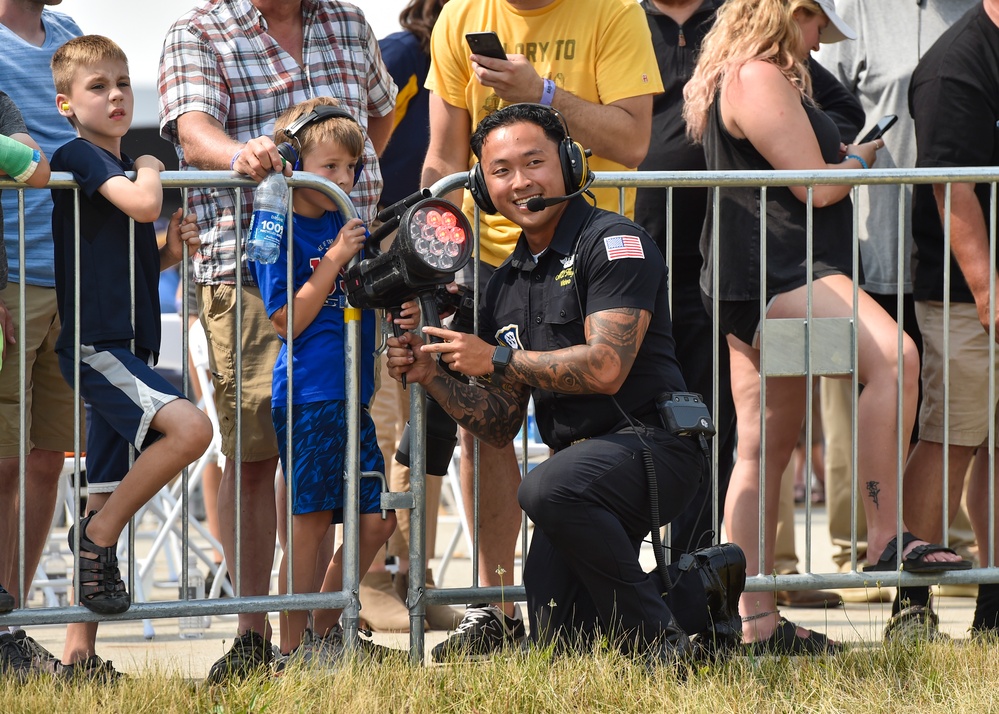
<point>537,204</point>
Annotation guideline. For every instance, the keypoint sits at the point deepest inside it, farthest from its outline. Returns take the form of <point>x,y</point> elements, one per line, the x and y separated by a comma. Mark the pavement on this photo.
<point>136,649</point>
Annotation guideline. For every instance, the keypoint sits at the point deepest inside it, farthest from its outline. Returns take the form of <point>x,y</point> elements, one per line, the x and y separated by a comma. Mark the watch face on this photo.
<point>501,357</point>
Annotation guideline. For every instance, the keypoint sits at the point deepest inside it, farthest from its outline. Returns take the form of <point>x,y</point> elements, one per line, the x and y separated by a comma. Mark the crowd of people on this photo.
<point>575,308</point>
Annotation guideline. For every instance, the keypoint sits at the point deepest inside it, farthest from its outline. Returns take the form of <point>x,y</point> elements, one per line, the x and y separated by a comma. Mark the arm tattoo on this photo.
<point>493,412</point>
<point>613,338</point>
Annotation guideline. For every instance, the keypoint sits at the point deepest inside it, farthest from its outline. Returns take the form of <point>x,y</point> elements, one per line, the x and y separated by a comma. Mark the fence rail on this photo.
<point>418,598</point>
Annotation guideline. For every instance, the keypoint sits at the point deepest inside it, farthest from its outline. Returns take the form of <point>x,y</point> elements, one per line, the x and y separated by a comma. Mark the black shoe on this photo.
<point>42,661</point>
<point>6,600</point>
<point>14,662</point>
<point>484,631</point>
<point>93,669</point>
<point>672,652</point>
<point>723,573</point>
<point>249,653</point>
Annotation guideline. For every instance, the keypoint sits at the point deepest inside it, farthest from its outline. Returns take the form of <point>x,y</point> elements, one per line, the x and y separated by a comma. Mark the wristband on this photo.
<point>232,163</point>
<point>854,156</point>
<point>549,93</point>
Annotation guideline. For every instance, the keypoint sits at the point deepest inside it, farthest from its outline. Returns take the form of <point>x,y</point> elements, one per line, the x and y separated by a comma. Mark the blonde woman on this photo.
<point>749,103</point>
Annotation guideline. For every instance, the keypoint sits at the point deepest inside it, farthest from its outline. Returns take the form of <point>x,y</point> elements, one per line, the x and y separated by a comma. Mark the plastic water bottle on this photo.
<point>192,627</point>
<point>270,213</point>
<point>54,567</point>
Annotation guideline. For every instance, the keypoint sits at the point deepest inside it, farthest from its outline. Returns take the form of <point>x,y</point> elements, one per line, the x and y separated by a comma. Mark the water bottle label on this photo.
<point>268,222</point>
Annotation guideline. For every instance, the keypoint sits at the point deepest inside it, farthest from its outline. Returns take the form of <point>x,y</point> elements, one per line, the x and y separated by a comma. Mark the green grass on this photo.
<point>922,677</point>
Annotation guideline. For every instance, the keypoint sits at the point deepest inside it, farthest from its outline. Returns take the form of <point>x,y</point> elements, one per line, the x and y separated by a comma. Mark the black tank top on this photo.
<point>786,219</point>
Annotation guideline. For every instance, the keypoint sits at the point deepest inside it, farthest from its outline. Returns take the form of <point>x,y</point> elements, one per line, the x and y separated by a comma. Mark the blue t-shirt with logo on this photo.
<point>318,355</point>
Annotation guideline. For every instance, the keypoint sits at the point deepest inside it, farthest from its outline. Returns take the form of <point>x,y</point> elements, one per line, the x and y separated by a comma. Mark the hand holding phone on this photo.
<point>878,130</point>
<point>486,44</point>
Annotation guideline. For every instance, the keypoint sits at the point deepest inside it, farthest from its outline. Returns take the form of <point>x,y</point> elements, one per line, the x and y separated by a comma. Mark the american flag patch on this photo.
<point>623,247</point>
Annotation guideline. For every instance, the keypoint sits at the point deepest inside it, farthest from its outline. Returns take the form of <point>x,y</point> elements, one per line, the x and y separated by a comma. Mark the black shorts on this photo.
<point>740,318</point>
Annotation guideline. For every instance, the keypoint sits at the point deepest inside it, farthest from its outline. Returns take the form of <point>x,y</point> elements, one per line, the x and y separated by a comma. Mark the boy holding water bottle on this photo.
<point>320,138</point>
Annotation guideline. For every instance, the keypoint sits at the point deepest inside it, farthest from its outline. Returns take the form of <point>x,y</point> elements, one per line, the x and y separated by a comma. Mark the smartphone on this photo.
<point>876,132</point>
<point>486,44</point>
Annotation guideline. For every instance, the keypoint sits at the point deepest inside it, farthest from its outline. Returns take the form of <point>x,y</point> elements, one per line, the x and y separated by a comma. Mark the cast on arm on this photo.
<point>309,298</point>
<point>22,159</point>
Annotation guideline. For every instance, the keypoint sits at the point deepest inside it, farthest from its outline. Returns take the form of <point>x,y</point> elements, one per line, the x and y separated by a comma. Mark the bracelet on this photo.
<point>854,156</point>
<point>759,616</point>
<point>232,164</point>
<point>549,93</point>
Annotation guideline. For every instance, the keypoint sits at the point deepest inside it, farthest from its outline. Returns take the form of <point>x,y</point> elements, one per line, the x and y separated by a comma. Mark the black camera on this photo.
<point>460,304</point>
<point>685,414</point>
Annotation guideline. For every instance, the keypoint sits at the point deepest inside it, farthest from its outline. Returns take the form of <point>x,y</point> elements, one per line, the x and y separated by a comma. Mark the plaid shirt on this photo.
<point>219,59</point>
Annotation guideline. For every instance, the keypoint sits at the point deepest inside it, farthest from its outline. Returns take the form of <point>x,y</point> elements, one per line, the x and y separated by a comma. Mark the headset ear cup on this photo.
<point>574,166</point>
<point>289,154</point>
<point>477,187</point>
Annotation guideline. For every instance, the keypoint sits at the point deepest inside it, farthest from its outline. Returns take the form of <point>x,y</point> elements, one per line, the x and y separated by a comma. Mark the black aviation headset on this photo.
<point>320,114</point>
<point>575,172</point>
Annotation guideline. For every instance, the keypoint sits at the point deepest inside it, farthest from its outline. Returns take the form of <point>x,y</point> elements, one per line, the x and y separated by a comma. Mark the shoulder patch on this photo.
<point>509,335</point>
<point>623,247</point>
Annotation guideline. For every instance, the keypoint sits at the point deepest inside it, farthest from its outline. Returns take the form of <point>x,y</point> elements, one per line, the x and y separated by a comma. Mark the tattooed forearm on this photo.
<point>492,413</point>
<point>599,367</point>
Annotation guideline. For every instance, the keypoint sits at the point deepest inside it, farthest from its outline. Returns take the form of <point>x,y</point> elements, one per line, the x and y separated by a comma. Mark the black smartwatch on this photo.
<point>501,358</point>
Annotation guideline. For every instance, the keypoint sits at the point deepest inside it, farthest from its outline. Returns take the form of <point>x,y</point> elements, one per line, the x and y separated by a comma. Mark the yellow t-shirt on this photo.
<point>600,50</point>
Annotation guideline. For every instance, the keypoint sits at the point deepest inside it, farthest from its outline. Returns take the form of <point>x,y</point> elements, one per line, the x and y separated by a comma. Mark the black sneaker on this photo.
<point>6,600</point>
<point>14,663</point>
<point>483,631</point>
<point>249,653</point>
<point>42,660</point>
<point>92,669</point>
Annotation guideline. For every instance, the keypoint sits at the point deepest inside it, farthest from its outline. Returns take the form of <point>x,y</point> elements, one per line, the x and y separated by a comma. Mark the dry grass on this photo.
<point>940,677</point>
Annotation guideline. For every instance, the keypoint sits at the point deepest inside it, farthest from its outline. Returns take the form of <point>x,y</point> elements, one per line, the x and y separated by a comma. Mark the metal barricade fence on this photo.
<point>808,365</point>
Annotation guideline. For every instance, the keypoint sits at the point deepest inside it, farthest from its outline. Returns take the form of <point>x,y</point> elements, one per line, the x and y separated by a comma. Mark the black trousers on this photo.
<point>590,507</point>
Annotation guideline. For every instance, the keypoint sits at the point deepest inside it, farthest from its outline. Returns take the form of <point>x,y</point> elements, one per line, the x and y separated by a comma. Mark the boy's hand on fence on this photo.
<point>182,232</point>
<point>148,161</point>
<point>348,243</point>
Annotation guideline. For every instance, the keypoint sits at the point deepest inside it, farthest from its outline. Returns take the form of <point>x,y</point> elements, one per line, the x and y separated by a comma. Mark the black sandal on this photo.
<point>914,561</point>
<point>785,641</point>
<point>101,587</point>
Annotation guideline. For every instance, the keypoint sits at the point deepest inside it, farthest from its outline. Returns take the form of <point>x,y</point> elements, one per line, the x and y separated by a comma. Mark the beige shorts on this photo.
<point>260,347</point>
<point>48,399</point>
<point>970,411</point>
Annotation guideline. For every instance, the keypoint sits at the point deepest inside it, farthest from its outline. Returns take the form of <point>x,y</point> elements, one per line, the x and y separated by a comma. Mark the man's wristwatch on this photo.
<point>501,358</point>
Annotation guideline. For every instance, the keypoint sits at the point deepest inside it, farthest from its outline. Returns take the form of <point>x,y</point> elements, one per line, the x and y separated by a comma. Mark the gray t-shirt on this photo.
<point>893,35</point>
<point>11,123</point>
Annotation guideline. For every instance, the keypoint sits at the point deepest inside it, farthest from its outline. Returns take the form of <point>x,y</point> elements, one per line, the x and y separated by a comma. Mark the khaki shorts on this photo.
<point>48,399</point>
<point>260,347</point>
<point>970,411</point>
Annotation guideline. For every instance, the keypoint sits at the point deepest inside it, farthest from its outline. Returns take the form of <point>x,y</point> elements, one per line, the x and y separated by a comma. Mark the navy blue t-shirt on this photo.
<point>402,160</point>
<point>105,297</point>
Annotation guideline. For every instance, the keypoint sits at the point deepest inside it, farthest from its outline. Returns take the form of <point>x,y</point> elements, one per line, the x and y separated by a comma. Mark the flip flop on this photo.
<point>914,562</point>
